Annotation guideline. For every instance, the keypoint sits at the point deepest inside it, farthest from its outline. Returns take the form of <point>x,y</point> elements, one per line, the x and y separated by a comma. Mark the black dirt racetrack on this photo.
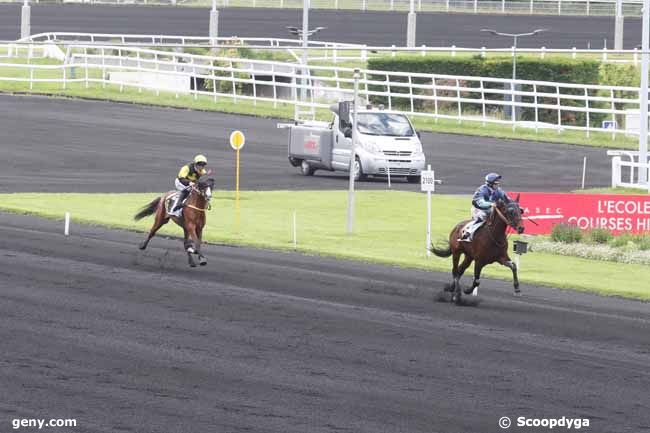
<point>86,146</point>
<point>128,341</point>
<point>372,28</point>
<point>124,341</point>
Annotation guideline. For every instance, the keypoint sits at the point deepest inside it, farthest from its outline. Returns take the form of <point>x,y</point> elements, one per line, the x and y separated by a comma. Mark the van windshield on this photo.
<point>394,125</point>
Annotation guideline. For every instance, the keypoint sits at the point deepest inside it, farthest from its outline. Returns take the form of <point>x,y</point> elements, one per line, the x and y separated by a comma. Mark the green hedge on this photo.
<point>553,69</point>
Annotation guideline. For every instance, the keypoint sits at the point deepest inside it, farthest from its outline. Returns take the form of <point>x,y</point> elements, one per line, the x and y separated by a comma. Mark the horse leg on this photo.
<point>505,261</point>
<point>160,221</point>
<point>193,245</point>
<point>199,234</point>
<point>456,296</point>
<point>463,267</point>
<point>478,267</point>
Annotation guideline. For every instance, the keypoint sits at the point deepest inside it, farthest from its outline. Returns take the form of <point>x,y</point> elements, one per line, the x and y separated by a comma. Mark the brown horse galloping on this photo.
<point>489,245</point>
<point>192,218</point>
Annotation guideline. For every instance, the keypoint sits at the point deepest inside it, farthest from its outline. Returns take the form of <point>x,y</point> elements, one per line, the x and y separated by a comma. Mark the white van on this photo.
<point>386,140</point>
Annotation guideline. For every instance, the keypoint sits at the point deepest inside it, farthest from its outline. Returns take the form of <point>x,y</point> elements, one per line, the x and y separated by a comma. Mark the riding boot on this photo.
<point>181,199</point>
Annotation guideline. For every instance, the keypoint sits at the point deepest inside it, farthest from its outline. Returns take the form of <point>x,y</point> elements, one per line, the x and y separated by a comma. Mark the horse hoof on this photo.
<point>517,293</point>
<point>475,291</point>
<point>203,261</point>
<point>142,246</point>
<point>192,265</point>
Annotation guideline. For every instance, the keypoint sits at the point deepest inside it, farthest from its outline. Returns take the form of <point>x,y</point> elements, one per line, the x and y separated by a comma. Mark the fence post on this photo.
<point>542,52</point>
<point>587,112</point>
<point>483,52</point>
<point>447,5</point>
<point>559,7</point>
<point>635,56</point>
<point>559,111</point>
<point>103,68</point>
<point>616,171</point>
<point>86,64</point>
<point>503,6</point>
<point>453,51</point>
<point>460,108</point>
<point>573,53</point>
<point>531,7</point>
<point>424,53</point>
<point>475,6</point>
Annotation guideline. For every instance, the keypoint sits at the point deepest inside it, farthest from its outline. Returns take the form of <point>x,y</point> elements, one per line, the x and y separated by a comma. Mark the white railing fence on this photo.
<point>537,104</point>
<point>626,169</point>
<point>546,7</point>
<point>320,50</point>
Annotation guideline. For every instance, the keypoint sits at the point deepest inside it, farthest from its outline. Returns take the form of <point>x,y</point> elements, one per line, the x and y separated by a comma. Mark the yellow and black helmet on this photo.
<point>200,159</point>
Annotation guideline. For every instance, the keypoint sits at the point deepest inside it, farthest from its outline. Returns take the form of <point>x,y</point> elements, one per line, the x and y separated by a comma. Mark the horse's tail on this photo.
<point>149,209</point>
<point>441,252</point>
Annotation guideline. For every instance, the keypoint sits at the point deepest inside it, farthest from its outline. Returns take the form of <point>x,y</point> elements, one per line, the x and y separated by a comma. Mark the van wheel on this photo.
<point>413,179</point>
<point>306,169</point>
<point>358,170</point>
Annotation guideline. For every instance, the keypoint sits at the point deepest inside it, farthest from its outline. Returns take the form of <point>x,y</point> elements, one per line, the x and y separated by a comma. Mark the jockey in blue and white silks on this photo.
<point>483,201</point>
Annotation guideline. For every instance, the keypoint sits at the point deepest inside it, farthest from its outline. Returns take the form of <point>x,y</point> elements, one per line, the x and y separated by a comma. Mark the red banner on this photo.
<point>614,212</point>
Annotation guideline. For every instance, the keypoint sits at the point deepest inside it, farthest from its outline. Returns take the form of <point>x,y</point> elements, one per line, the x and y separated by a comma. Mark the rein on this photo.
<point>503,218</point>
<point>208,207</point>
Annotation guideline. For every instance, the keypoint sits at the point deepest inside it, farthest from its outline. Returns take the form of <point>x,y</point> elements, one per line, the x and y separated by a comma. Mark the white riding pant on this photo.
<point>478,214</point>
<point>179,186</point>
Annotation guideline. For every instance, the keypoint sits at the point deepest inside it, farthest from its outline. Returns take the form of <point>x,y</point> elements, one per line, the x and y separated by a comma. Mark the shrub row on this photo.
<point>554,69</point>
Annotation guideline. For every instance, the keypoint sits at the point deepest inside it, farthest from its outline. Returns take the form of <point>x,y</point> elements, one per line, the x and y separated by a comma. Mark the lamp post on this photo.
<point>643,109</point>
<point>353,153</point>
<point>304,35</point>
<point>514,61</point>
<point>214,23</point>
<point>25,20</point>
<point>410,27</point>
<point>619,21</point>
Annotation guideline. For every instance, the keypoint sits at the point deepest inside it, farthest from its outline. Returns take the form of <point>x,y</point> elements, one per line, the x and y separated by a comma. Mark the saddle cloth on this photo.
<point>169,204</point>
<point>467,226</point>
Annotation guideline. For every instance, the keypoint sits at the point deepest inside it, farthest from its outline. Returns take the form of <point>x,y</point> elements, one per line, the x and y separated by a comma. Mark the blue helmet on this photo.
<point>492,177</point>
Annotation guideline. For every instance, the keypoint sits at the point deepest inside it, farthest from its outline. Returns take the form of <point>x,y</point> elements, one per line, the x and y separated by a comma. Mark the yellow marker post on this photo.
<point>237,141</point>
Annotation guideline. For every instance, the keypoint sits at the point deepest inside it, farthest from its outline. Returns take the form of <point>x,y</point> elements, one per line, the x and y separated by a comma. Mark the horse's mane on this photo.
<point>203,184</point>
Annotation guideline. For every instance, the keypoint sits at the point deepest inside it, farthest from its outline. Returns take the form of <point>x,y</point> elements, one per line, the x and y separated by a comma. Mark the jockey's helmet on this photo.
<point>200,160</point>
<point>492,178</point>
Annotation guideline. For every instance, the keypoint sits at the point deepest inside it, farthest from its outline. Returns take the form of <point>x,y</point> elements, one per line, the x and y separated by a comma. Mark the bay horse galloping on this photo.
<point>490,244</point>
<point>192,219</point>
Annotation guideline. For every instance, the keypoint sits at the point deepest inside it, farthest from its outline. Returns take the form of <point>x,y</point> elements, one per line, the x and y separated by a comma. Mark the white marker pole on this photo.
<point>584,171</point>
<point>429,216</point>
<point>295,238</point>
<point>388,171</point>
<point>66,230</point>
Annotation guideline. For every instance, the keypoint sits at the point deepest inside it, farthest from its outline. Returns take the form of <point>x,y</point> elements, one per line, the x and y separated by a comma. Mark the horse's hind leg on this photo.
<point>160,221</point>
<point>456,296</point>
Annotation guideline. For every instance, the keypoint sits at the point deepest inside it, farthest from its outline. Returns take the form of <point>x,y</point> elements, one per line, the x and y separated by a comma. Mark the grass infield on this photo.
<point>390,228</point>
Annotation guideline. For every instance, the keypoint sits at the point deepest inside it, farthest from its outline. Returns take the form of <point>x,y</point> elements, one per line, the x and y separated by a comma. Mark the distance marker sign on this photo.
<point>237,140</point>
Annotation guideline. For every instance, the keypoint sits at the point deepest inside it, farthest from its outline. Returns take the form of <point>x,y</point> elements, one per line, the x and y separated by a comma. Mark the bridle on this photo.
<point>202,194</point>
<point>506,222</point>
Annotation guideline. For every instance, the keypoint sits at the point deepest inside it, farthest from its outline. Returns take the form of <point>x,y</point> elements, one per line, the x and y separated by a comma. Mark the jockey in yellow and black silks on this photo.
<point>187,176</point>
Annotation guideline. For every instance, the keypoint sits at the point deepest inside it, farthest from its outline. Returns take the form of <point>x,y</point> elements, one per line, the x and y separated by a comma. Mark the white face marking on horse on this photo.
<point>208,193</point>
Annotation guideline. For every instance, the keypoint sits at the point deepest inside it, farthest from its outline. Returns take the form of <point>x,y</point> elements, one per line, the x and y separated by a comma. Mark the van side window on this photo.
<point>343,125</point>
